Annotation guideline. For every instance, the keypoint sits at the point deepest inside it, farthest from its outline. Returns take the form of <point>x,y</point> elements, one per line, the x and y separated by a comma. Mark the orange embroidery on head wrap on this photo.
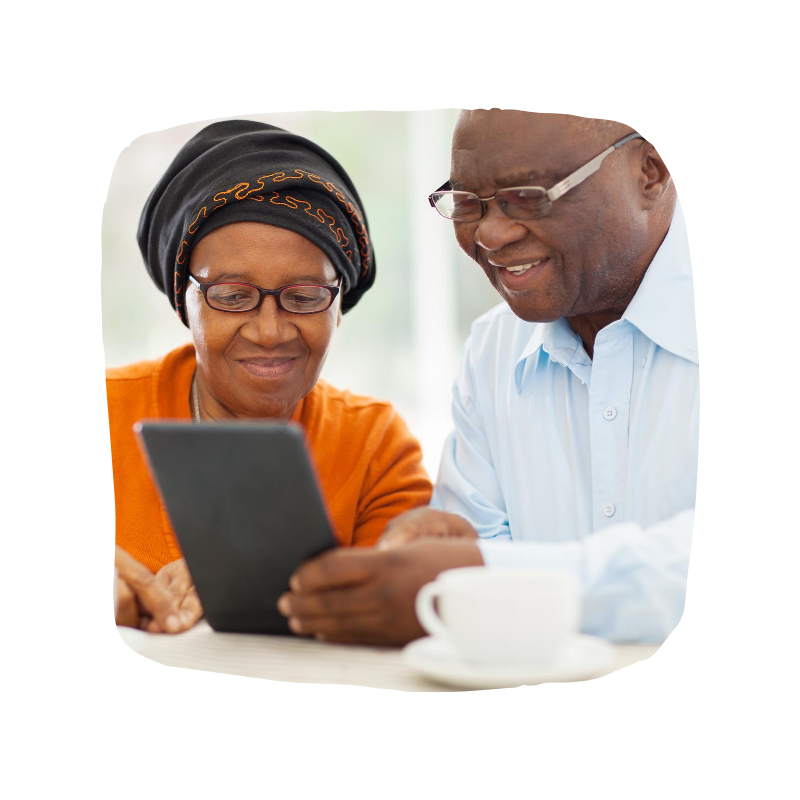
<point>243,191</point>
<point>181,256</point>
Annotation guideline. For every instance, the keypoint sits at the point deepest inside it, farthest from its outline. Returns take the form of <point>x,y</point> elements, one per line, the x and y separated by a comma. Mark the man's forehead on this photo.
<point>517,147</point>
<point>472,168</point>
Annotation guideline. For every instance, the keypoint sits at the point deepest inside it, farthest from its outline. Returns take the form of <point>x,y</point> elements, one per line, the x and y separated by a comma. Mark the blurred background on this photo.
<point>402,341</point>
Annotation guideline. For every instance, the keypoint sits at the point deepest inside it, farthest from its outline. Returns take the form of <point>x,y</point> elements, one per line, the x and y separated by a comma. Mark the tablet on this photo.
<point>244,503</point>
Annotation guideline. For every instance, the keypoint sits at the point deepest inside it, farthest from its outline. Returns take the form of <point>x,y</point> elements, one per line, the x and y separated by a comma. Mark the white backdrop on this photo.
<point>402,341</point>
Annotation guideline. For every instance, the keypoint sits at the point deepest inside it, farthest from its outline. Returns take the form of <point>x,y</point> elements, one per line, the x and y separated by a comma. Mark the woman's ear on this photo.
<point>339,317</point>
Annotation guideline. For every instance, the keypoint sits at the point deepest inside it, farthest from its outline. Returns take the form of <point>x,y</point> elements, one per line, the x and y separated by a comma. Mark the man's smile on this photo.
<point>520,276</point>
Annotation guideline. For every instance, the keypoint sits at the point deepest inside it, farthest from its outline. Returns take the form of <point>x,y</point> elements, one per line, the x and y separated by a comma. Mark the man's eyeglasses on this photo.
<point>241,297</point>
<point>517,202</point>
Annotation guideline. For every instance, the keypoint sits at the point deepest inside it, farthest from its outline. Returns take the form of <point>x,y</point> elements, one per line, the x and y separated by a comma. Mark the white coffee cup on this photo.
<point>501,615</point>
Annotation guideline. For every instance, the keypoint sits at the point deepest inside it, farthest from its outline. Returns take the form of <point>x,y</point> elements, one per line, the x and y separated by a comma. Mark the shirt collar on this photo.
<point>662,309</point>
<point>663,306</point>
<point>561,343</point>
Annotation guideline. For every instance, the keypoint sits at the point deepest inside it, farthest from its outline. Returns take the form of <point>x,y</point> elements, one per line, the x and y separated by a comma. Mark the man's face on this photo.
<point>585,252</point>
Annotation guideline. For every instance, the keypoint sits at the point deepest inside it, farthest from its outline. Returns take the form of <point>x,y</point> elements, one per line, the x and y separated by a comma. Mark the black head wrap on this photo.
<point>244,171</point>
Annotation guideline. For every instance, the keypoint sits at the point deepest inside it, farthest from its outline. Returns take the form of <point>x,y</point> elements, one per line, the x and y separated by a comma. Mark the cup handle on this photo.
<point>426,614</point>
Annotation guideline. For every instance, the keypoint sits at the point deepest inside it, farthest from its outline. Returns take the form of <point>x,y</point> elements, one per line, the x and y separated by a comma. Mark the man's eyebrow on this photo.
<point>533,177</point>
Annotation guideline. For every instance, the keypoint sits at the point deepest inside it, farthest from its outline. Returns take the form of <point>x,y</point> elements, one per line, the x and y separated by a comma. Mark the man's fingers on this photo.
<point>340,567</point>
<point>367,629</point>
<point>398,535</point>
<point>358,599</point>
<point>424,523</point>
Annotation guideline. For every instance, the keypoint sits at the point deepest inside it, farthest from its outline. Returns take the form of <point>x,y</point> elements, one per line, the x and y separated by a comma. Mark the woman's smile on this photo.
<point>269,368</point>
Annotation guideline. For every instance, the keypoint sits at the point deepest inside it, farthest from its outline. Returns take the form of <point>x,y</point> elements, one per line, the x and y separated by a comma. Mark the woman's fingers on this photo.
<point>177,580</point>
<point>151,596</point>
<point>127,611</point>
<point>176,577</point>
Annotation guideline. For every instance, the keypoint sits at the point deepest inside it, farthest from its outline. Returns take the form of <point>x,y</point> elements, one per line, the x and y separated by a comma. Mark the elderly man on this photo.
<point>576,404</point>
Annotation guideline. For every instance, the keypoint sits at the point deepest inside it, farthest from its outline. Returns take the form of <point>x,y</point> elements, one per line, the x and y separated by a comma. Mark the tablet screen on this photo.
<point>244,503</point>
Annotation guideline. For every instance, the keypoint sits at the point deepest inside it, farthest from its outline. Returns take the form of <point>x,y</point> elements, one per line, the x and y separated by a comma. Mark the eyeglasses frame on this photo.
<point>559,190</point>
<point>276,293</point>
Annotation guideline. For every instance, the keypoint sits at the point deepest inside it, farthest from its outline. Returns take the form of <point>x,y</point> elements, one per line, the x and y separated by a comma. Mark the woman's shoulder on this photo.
<point>142,370</point>
<point>143,383</point>
<point>349,404</point>
<point>340,413</point>
<point>356,432</point>
<point>132,372</point>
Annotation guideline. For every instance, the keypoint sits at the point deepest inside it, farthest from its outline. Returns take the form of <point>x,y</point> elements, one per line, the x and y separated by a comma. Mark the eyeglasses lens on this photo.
<point>241,297</point>
<point>305,299</point>
<point>233,297</point>
<point>460,206</point>
<point>525,203</point>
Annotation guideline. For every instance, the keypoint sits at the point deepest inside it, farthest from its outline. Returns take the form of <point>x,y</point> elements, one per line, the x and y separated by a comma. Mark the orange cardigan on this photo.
<point>369,466</point>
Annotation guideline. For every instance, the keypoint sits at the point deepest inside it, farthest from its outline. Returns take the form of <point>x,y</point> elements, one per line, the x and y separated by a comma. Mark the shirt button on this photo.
<point>609,509</point>
<point>609,412</point>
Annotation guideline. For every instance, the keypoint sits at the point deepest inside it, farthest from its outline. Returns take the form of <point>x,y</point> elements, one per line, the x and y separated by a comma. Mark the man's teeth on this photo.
<point>520,268</point>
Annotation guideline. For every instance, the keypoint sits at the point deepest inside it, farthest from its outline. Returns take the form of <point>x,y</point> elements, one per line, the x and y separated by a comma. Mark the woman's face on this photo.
<point>259,363</point>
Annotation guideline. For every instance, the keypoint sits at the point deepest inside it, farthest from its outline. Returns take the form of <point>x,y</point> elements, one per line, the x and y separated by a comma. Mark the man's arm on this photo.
<point>633,579</point>
<point>467,484</point>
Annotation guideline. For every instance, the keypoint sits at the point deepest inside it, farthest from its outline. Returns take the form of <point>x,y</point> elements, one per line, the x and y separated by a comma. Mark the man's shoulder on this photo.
<point>500,326</point>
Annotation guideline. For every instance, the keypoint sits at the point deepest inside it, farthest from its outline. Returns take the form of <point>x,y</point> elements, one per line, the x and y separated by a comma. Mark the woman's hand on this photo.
<point>176,580</point>
<point>166,602</point>
<point>425,523</point>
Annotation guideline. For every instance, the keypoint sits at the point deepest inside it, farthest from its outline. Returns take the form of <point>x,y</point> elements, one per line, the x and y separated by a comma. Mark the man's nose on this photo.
<point>495,230</point>
<point>270,325</point>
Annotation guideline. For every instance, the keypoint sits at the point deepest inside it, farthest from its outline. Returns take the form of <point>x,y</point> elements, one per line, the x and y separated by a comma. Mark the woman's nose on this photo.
<point>270,325</point>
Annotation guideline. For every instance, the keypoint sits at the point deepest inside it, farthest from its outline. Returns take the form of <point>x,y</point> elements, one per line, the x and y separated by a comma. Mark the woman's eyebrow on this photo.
<point>232,277</point>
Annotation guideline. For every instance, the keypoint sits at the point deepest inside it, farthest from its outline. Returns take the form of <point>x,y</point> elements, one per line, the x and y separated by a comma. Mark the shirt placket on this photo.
<point>609,412</point>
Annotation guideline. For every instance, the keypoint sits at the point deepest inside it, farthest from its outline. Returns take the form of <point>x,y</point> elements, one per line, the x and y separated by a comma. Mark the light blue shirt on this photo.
<point>587,466</point>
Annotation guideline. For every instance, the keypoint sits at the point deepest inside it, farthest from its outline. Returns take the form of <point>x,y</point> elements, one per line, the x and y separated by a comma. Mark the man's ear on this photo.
<point>654,180</point>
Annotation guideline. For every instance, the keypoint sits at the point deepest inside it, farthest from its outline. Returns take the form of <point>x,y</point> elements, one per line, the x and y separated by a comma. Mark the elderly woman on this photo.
<point>259,240</point>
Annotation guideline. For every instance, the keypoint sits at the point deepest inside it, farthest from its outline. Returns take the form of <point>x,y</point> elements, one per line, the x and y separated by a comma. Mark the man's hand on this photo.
<point>164,602</point>
<point>424,523</point>
<point>367,595</point>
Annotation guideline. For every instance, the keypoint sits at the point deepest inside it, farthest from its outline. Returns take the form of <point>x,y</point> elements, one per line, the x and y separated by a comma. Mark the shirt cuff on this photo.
<point>566,557</point>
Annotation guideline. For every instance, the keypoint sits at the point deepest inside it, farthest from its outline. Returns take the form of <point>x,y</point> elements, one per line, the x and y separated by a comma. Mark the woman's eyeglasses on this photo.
<point>240,297</point>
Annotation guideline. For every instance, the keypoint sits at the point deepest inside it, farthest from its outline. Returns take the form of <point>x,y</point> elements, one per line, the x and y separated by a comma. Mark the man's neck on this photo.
<point>587,326</point>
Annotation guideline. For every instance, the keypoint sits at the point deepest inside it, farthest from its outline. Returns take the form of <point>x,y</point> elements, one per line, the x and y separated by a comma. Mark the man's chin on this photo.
<point>530,310</point>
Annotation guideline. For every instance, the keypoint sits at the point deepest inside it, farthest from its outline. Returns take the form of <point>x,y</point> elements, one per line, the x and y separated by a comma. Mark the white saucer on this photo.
<point>583,658</point>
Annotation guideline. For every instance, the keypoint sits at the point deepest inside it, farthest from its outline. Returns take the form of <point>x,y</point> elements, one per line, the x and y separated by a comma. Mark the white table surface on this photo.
<point>290,658</point>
